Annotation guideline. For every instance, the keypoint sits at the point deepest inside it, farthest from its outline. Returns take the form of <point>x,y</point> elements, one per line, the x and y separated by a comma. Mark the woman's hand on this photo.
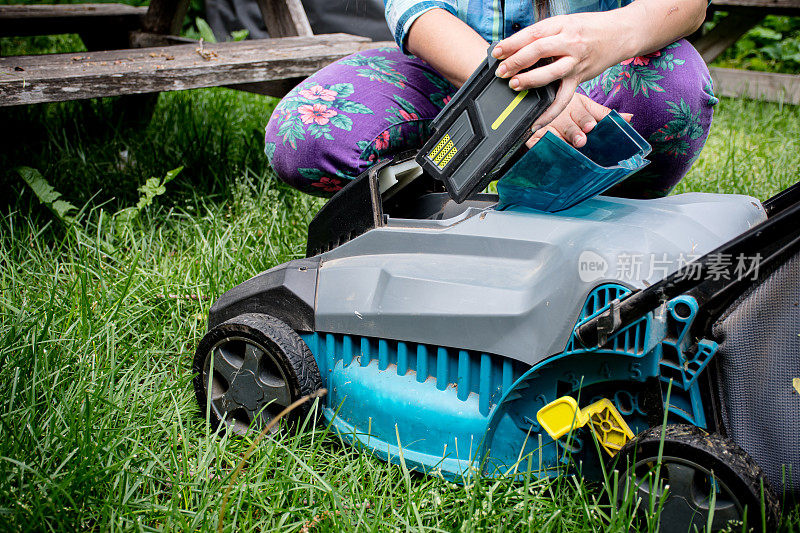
<point>583,45</point>
<point>579,118</point>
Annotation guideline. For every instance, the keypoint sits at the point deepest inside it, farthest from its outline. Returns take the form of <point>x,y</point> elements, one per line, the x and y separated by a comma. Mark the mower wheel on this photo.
<point>254,366</point>
<point>704,479</point>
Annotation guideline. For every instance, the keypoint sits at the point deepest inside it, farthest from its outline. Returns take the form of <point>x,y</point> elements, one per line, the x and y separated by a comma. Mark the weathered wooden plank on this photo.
<point>757,3</point>
<point>279,88</point>
<point>777,7</point>
<point>45,12</point>
<point>60,77</point>
<point>757,85</point>
<point>726,32</point>
<point>165,16</point>
<point>68,18</point>
<point>285,18</point>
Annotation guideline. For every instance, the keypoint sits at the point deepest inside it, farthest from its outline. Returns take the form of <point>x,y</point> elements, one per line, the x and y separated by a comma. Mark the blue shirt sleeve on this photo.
<point>400,14</point>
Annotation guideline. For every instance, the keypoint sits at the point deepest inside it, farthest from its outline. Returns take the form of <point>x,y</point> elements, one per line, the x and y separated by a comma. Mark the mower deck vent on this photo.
<point>487,375</point>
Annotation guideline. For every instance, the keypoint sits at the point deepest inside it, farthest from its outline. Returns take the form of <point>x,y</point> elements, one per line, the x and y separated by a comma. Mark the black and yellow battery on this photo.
<point>480,133</point>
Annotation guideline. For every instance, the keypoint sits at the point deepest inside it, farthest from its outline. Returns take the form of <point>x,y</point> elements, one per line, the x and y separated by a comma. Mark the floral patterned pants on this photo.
<point>377,103</point>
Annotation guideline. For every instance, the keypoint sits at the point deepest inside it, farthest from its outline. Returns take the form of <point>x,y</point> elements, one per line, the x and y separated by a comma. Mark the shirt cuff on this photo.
<point>400,14</point>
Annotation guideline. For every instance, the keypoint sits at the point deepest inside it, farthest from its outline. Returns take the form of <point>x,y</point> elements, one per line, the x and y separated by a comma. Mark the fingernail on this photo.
<point>626,116</point>
<point>497,52</point>
<point>589,125</point>
<point>501,71</point>
<point>514,83</point>
<point>578,140</point>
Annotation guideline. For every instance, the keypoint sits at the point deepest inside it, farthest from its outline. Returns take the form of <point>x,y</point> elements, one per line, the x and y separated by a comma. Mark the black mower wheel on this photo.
<point>696,468</point>
<point>254,366</point>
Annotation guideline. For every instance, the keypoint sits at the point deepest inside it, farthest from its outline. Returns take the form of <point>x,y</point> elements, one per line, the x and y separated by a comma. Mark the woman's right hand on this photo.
<point>582,46</point>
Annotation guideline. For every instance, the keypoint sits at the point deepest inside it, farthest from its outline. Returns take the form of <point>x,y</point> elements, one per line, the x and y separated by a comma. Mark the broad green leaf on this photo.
<point>240,35</point>
<point>765,34</point>
<point>154,187</point>
<point>47,194</point>
<point>205,30</point>
<point>170,175</point>
<point>41,188</point>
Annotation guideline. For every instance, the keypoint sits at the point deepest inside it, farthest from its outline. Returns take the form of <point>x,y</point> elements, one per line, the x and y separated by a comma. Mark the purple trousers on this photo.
<point>374,104</point>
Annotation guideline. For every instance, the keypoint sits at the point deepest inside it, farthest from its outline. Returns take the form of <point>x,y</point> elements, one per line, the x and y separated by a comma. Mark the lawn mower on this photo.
<point>464,333</point>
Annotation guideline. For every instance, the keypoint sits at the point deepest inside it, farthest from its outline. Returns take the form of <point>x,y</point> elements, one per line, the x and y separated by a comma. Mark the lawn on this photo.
<point>101,309</point>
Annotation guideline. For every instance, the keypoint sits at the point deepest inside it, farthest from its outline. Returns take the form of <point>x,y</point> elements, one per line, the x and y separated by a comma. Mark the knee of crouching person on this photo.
<point>296,157</point>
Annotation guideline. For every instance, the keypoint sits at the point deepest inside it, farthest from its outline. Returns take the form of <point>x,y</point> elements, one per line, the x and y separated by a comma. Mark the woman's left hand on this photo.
<point>579,118</point>
<point>582,46</point>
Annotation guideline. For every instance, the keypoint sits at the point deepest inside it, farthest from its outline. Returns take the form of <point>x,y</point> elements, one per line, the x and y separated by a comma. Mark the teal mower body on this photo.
<point>453,338</point>
<point>545,329</point>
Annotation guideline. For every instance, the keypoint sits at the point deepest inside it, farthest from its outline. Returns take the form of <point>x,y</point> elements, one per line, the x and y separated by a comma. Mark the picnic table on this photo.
<point>742,16</point>
<point>136,50</point>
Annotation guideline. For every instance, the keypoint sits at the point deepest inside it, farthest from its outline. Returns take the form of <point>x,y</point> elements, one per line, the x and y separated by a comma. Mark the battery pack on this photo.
<point>480,133</point>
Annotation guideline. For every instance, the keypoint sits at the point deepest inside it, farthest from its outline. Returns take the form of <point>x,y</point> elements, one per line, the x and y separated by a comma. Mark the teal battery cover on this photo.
<point>480,133</point>
<point>553,176</point>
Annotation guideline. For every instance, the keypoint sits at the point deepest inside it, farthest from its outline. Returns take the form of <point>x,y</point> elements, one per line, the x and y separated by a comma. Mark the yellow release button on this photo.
<point>562,415</point>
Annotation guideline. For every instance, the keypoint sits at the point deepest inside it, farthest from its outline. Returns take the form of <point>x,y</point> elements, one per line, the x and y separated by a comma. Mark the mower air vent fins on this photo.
<point>486,375</point>
<point>600,297</point>
<point>631,340</point>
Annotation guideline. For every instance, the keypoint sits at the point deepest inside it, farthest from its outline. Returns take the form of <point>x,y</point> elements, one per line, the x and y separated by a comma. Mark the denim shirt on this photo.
<point>492,19</point>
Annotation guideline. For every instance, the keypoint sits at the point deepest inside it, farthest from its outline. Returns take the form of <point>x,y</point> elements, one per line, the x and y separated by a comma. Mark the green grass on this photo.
<point>753,149</point>
<point>98,425</point>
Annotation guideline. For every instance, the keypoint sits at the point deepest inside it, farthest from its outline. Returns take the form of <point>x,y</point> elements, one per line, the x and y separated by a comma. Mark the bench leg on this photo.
<point>110,39</point>
<point>129,111</point>
<point>163,17</point>
<point>135,110</point>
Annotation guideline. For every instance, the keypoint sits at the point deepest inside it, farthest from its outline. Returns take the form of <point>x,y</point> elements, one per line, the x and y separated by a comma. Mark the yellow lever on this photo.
<point>562,415</point>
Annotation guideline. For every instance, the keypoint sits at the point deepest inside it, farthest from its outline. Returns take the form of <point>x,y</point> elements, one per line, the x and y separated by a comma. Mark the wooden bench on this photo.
<point>264,66</point>
<point>742,16</point>
<point>68,18</point>
<point>60,77</point>
<point>133,52</point>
